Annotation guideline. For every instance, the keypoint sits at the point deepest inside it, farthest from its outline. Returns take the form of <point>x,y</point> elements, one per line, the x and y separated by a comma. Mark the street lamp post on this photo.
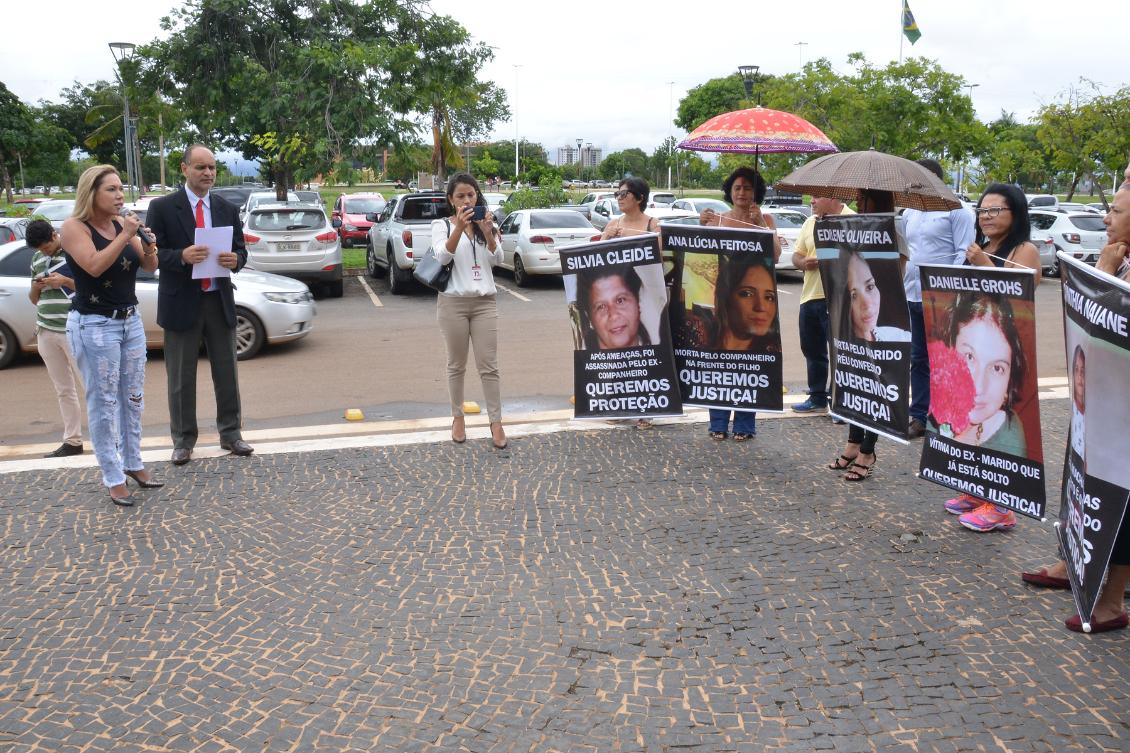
<point>580,161</point>
<point>670,120</point>
<point>516,67</point>
<point>121,52</point>
<point>749,75</point>
<point>800,54</point>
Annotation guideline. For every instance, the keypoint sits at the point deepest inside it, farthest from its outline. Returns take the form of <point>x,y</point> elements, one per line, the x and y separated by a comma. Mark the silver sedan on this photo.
<point>268,308</point>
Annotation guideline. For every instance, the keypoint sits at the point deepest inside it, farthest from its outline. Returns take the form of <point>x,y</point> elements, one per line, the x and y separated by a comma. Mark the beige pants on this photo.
<point>471,321</point>
<point>61,367</point>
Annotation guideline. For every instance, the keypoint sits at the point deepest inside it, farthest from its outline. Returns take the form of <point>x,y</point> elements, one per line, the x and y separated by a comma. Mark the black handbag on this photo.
<point>430,272</point>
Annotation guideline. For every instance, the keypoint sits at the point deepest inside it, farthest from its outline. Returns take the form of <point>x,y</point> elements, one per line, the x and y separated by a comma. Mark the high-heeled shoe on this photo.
<point>455,439</point>
<point>126,501</point>
<point>494,442</point>
<point>150,484</point>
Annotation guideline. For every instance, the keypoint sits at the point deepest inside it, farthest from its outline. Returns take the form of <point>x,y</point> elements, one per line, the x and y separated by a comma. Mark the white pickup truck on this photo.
<point>400,235</point>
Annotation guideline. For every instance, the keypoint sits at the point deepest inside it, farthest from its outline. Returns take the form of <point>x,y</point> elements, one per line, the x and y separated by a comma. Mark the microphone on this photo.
<point>146,238</point>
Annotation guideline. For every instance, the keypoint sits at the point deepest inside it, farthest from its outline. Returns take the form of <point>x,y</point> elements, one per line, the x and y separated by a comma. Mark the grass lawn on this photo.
<point>353,258</point>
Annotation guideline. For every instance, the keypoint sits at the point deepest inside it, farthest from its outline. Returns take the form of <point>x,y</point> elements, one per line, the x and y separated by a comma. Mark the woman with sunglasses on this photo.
<point>631,197</point>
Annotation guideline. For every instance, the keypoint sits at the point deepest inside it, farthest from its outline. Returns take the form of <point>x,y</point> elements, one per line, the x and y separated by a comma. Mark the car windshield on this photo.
<point>56,212</point>
<point>1041,221</point>
<point>717,206</point>
<point>663,198</point>
<point>311,196</point>
<point>494,198</point>
<point>789,219</point>
<point>543,220</point>
<point>364,206</point>
<point>1088,222</point>
<point>1042,201</point>
<point>286,219</point>
<point>426,209</point>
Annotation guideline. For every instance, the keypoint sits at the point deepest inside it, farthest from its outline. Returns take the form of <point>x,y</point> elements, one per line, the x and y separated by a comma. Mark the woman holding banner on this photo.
<point>1110,610</point>
<point>631,197</point>
<point>745,299</point>
<point>985,323</point>
<point>863,301</point>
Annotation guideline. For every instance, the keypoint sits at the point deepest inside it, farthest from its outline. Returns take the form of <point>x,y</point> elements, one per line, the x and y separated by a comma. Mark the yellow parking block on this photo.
<point>470,406</point>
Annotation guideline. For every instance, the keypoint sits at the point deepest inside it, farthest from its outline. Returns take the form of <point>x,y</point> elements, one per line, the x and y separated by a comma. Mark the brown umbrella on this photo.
<point>842,176</point>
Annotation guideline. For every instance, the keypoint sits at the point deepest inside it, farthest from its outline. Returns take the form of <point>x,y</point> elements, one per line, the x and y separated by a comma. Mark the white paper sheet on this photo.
<point>218,241</point>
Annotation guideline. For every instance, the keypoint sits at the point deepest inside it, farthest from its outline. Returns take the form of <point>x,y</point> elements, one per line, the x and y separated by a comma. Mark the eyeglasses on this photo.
<point>989,211</point>
<point>623,194</point>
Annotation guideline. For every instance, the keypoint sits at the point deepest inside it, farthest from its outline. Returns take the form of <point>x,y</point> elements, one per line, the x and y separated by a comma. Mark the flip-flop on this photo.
<point>1043,580</point>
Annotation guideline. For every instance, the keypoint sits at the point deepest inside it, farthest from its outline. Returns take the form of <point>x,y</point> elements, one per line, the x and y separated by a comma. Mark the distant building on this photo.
<point>588,155</point>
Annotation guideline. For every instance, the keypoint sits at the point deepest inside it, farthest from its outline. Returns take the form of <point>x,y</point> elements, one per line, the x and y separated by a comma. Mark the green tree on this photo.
<point>27,135</point>
<point>703,102</point>
<point>623,164</point>
<point>486,165</point>
<point>406,160</point>
<point>324,74</point>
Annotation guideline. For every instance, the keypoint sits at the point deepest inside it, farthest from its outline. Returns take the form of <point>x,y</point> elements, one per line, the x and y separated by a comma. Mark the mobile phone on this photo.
<point>478,212</point>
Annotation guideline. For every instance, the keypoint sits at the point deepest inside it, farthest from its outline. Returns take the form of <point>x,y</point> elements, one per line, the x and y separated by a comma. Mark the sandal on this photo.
<point>741,436</point>
<point>718,436</point>
<point>644,423</point>
<point>836,465</point>
<point>860,472</point>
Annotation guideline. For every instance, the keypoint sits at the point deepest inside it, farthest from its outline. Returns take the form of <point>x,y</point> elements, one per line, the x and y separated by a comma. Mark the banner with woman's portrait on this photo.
<point>983,428</point>
<point>622,361</point>
<point>1096,474</point>
<point>868,322</point>
<point>724,323</point>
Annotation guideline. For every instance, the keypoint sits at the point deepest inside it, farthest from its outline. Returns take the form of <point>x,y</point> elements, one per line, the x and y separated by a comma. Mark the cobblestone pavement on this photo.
<point>606,590</point>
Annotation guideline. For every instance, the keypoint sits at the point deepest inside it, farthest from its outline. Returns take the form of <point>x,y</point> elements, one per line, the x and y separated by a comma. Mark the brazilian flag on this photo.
<point>909,25</point>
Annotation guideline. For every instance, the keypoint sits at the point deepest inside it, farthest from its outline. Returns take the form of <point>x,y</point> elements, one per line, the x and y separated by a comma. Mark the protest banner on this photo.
<point>1096,475</point>
<point>623,366</point>
<point>868,322</point>
<point>983,429</point>
<point>724,323</point>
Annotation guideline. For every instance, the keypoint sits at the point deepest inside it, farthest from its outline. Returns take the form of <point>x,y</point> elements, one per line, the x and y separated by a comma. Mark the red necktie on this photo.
<point>206,283</point>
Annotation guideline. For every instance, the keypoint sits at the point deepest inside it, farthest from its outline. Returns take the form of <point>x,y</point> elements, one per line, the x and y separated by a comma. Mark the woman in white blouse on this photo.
<point>466,310</point>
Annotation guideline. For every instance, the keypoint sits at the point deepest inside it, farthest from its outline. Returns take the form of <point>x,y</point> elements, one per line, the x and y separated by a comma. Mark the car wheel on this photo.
<point>371,262</point>
<point>9,348</point>
<point>521,276</point>
<point>336,289</point>
<point>397,284</point>
<point>1053,270</point>
<point>249,335</point>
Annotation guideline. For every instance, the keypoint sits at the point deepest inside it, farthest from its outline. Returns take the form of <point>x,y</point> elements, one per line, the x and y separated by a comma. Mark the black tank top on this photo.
<point>113,289</point>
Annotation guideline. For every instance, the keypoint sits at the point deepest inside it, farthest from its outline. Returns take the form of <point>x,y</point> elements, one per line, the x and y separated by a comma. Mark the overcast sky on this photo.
<point>611,73</point>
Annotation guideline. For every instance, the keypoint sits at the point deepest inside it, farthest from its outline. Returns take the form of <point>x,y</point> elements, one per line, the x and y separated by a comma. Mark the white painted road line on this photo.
<point>372,296</point>
<point>517,295</point>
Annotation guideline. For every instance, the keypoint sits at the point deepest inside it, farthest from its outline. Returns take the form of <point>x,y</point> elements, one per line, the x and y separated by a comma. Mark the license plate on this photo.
<point>290,247</point>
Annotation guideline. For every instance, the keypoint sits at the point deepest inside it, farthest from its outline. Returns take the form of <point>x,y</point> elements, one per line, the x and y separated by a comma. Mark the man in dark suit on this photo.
<point>202,310</point>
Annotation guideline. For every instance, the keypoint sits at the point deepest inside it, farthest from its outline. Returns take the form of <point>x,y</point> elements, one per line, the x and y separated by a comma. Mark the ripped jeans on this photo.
<point>110,353</point>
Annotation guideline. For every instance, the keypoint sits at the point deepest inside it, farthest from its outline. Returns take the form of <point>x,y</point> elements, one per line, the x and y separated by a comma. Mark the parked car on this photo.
<point>236,195</point>
<point>494,204</point>
<point>698,205</point>
<point>401,234</point>
<point>1082,235</point>
<point>601,184</point>
<point>140,207</point>
<point>1045,245</point>
<point>295,240</point>
<point>604,211</point>
<point>590,199</point>
<point>1042,201</point>
<point>13,228</point>
<point>664,213</point>
<point>349,216</point>
<point>531,237</point>
<point>256,198</point>
<point>55,211</point>
<point>661,199</point>
<point>1072,206</point>
<point>268,308</point>
<point>311,197</point>
<point>31,203</point>
<point>1099,207</point>
<point>788,222</point>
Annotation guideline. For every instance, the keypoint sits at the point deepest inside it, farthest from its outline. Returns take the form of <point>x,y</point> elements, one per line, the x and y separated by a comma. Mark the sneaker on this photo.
<point>988,517</point>
<point>961,505</point>
<point>810,406</point>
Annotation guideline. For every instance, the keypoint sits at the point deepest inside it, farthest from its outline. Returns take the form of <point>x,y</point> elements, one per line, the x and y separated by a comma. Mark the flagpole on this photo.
<point>902,23</point>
